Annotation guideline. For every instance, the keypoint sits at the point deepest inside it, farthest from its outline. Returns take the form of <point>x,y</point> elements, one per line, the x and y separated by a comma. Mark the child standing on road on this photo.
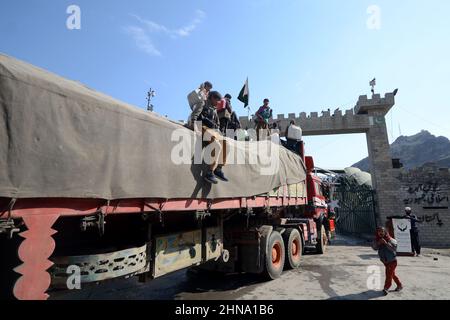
<point>387,251</point>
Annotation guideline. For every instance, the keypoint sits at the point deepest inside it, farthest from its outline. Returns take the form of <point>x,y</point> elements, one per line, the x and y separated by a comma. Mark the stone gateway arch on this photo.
<point>369,117</point>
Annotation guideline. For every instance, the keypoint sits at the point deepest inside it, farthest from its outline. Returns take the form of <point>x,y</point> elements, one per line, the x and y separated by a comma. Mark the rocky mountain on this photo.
<point>417,150</point>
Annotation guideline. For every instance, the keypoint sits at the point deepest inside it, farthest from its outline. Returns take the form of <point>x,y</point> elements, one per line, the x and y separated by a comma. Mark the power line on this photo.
<point>422,118</point>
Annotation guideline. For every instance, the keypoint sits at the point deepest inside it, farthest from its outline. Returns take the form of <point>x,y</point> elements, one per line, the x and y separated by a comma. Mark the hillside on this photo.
<point>417,150</point>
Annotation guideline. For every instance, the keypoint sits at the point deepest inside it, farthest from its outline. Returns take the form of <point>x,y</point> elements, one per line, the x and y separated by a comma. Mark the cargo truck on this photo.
<point>63,145</point>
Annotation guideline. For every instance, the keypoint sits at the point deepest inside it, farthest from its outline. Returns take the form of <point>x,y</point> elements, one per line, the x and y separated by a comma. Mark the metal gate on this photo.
<point>355,213</point>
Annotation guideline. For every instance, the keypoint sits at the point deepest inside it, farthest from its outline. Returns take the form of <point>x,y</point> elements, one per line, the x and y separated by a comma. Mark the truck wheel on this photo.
<point>321,245</point>
<point>275,256</point>
<point>293,247</point>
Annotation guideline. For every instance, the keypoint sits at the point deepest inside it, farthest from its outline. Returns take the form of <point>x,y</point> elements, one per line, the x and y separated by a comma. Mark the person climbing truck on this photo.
<point>209,119</point>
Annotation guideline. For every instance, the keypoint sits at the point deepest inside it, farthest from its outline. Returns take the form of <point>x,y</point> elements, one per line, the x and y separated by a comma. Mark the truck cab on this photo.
<point>317,206</point>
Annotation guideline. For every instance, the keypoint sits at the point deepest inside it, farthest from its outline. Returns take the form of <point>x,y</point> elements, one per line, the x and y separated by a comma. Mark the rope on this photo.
<point>9,209</point>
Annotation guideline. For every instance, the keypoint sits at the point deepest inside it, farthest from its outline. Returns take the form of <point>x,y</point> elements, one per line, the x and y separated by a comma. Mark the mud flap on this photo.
<point>252,255</point>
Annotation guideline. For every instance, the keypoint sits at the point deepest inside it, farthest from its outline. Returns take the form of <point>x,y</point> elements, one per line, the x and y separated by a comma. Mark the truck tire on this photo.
<point>322,241</point>
<point>275,256</point>
<point>293,247</point>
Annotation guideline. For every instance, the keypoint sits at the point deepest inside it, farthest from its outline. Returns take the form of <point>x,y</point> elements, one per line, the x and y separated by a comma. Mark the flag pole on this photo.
<point>249,109</point>
<point>245,98</point>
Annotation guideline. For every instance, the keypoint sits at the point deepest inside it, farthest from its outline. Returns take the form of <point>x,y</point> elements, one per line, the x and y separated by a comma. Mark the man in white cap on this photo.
<point>414,231</point>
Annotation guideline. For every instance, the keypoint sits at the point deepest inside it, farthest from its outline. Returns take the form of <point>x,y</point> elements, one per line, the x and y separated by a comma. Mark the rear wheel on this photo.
<point>275,256</point>
<point>322,242</point>
<point>293,247</point>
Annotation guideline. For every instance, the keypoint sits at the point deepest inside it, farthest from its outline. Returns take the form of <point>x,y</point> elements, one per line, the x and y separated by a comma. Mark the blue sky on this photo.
<point>304,55</point>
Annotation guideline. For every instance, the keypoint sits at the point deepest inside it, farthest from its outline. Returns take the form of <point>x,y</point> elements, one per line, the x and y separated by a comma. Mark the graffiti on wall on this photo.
<point>431,218</point>
<point>426,194</point>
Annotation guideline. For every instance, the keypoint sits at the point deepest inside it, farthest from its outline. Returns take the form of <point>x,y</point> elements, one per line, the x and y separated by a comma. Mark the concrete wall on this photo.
<point>427,192</point>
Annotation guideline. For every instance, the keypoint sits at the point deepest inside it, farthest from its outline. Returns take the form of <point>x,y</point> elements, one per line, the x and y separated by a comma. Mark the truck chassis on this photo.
<point>149,238</point>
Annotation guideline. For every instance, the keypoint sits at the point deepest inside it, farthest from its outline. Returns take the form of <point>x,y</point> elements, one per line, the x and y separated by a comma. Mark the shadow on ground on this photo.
<point>227,284</point>
<point>368,256</point>
<point>178,285</point>
<point>367,295</point>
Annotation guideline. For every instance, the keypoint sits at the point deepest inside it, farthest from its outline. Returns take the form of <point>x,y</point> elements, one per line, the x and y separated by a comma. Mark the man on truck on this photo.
<point>200,95</point>
<point>224,113</point>
<point>207,114</point>
<point>263,116</point>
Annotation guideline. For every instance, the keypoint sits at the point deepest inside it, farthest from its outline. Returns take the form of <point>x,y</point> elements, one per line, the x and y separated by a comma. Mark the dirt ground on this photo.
<point>340,274</point>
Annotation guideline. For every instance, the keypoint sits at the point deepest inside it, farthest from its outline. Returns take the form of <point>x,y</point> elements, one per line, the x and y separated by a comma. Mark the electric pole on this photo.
<point>150,95</point>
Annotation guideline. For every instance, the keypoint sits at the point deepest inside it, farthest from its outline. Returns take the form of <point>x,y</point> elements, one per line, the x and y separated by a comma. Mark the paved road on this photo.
<point>340,274</point>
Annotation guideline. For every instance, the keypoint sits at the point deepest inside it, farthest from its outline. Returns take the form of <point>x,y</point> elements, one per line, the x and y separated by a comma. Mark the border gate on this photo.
<point>355,213</point>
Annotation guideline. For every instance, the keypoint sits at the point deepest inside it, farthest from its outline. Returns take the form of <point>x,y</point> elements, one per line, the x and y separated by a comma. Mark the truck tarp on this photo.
<point>61,139</point>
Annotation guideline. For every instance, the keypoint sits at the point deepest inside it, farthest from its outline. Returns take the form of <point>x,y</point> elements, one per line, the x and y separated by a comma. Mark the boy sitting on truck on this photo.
<point>207,114</point>
<point>200,95</point>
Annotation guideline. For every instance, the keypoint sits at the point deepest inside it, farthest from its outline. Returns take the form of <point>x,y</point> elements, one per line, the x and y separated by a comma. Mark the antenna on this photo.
<point>150,95</point>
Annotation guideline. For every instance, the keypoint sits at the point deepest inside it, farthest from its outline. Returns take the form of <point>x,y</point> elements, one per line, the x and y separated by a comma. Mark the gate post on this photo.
<point>383,174</point>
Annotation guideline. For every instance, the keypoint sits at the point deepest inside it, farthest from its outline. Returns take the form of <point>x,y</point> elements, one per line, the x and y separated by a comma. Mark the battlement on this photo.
<point>376,103</point>
<point>304,116</point>
<point>319,122</point>
<point>315,123</point>
<point>357,120</point>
